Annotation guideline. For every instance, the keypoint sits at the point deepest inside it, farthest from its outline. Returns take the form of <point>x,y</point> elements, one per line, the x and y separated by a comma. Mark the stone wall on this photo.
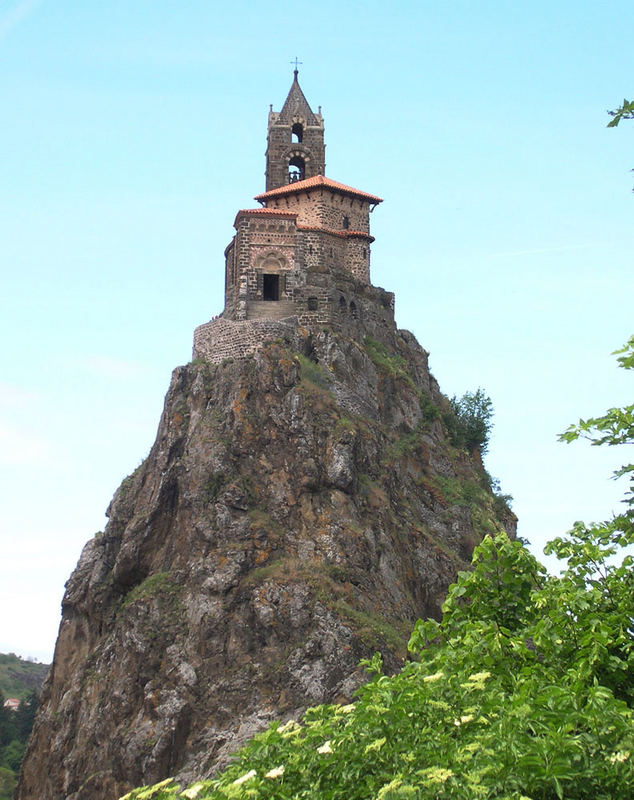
<point>282,148</point>
<point>326,209</point>
<point>275,245</point>
<point>221,338</point>
<point>358,257</point>
<point>338,302</point>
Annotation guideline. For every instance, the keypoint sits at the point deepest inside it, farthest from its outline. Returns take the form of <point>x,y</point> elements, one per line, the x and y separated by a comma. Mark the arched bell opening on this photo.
<point>297,132</point>
<point>296,169</point>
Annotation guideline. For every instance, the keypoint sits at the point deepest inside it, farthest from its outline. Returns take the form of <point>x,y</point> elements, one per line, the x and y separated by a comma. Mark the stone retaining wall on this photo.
<point>222,338</point>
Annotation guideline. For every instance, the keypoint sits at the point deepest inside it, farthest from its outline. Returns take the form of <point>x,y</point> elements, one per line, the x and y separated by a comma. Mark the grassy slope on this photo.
<point>18,677</point>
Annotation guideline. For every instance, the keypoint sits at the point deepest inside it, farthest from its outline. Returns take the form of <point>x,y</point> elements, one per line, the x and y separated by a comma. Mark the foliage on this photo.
<point>18,677</point>
<point>313,373</point>
<point>392,364</point>
<point>15,727</point>
<point>626,111</point>
<point>615,427</point>
<point>7,783</point>
<point>471,422</point>
<point>509,699</point>
<point>159,585</point>
<point>397,368</point>
<point>590,550</point>
<point>523,691</point>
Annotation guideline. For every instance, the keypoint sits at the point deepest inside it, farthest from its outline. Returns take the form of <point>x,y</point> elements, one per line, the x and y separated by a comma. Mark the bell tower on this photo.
<point>295,141</point>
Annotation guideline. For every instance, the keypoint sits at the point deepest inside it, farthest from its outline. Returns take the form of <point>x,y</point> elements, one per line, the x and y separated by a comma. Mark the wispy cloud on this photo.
<point>14,16</point>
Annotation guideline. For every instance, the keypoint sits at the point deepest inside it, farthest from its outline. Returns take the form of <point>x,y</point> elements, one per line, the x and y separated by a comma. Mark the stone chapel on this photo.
<point>302,257</point>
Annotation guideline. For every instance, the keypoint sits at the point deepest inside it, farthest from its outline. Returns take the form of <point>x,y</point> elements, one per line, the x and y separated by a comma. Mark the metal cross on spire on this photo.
<point>296,62</point>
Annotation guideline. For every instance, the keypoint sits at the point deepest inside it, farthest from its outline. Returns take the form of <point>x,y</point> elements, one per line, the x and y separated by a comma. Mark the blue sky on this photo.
<point>131,132</point>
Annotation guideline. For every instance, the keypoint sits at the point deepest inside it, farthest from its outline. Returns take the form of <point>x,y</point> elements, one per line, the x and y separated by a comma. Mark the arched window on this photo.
<point>297,132</point>
<point>296,169</point>
<point>342,304</point>
<point>346,223</point>
<point>353,308</point>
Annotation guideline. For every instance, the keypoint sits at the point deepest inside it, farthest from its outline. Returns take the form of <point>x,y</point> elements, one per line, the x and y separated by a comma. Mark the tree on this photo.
<point>7,724</point>
<point>7,783</point>
<point>25,715</point>
<point>473,420</point>
<point>12,755</point>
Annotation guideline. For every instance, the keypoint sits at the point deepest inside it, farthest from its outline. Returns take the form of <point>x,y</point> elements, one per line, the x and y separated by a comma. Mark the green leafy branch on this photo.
<point>626,111</point>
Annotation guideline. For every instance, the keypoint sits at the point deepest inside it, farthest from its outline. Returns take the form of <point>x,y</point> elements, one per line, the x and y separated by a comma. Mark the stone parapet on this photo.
<point>221,338</point>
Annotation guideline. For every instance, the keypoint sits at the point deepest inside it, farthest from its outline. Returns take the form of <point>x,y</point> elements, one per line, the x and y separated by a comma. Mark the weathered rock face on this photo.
<point>299,510</point>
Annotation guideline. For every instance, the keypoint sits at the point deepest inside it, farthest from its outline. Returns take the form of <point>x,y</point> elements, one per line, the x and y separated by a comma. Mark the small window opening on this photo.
<point>342,304</point>
<point>353,308</point>
<point>346,223</point>
<point>312,304</point>
<point>296,169</point>
<point>297,132</point>
<point>365,253</point>
<point>270,287</point>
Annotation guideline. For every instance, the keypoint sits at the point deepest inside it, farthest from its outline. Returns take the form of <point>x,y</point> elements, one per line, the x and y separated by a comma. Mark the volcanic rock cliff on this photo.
<point>299,510</point>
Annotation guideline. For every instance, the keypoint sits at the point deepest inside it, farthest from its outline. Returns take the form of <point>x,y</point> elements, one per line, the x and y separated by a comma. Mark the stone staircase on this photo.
<point>270,309</point>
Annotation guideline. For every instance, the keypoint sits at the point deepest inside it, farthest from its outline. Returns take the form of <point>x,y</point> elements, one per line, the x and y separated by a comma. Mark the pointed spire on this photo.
<point>296,103</point>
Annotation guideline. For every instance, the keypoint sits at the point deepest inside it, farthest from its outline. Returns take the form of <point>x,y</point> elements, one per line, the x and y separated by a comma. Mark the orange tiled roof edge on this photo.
<point>263,212</point>
<point>315,182</point>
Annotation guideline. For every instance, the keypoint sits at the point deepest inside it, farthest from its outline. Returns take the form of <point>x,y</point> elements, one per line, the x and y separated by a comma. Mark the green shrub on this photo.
<point>313,373</point>
<point>159,585</point>
<point>470,421</point>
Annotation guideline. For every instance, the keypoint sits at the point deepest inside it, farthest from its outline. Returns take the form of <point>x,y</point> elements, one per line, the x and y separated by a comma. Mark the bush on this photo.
<point>7,783</point>
<point>471,422</point>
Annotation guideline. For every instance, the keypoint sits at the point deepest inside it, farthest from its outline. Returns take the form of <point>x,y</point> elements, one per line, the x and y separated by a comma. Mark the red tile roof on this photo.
<point>314,182</point>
